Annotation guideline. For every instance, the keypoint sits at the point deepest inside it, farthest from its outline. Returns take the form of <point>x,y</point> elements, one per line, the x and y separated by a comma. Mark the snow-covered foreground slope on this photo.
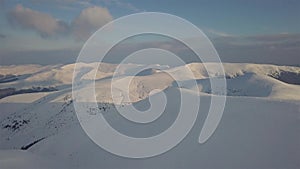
<point>259,129</point>
<point>16,159</point>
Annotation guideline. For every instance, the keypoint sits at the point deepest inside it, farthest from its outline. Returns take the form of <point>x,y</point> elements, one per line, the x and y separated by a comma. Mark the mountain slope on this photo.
<point>259,129</point>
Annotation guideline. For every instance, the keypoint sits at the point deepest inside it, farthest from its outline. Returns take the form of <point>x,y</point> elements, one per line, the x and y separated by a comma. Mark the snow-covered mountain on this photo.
<point>259,129</point>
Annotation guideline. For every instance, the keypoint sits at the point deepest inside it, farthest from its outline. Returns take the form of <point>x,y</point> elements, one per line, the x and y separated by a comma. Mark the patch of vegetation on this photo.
<point>26,147</point>
<point>16,124</point>
<point>287,77</point>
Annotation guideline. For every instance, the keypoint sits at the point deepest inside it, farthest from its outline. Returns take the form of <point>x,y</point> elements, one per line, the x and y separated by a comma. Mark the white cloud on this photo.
<point>218,33</point>
<point>43,23</point>
<point>89,20</point>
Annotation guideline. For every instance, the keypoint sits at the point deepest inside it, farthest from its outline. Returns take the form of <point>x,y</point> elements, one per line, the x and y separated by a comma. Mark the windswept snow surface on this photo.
<point>259,129</point>
<point>16,159</point>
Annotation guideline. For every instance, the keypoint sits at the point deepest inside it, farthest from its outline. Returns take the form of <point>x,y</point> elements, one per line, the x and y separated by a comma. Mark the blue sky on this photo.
<point>227,23</point>
<point>231,16</point>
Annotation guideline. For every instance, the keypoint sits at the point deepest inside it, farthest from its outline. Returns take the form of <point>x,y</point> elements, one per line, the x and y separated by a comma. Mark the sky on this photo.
<point>54,31</point>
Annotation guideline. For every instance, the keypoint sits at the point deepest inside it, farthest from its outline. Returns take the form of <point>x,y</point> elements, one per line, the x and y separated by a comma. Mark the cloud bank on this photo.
<point>42,23</point>
<point>281,48</point>
<point>88,21</point>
